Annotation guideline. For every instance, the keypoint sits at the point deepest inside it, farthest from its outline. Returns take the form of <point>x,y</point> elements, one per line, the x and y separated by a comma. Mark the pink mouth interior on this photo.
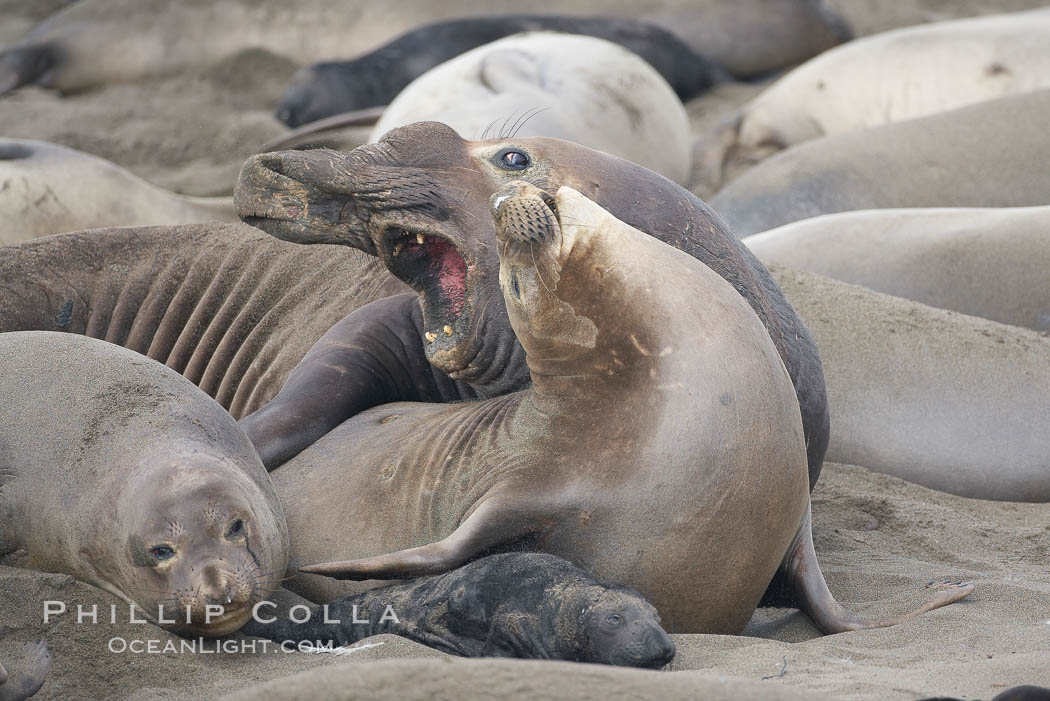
<point>451,272</point>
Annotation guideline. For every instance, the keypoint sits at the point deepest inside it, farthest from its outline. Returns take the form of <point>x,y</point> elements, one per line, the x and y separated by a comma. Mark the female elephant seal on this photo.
<point>374,79</point>
<point>576,88</point>
<point>48,189</point>
<point>660,445</point>
<point>891,77</point>
<point>120,472</point>
<point>419,200</point>
<point>529,605</point>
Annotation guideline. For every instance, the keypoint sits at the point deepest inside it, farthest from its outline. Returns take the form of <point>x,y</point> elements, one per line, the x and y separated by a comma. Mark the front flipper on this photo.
<point>37,665</point>
<point>494,522</point>
<point>802,576</point>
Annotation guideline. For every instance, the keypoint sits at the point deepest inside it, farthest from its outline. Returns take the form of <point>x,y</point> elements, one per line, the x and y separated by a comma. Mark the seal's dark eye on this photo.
<point>515,287</point>
<point>614,620</point>
<point>162,552</point>
<point>236,529</point>
<point>512,159</point>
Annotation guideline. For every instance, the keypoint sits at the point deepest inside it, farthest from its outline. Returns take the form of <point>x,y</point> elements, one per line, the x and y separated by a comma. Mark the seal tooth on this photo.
<point>397,248</point>
<point>447,329</point>
<point>419,239</point>
<point>430,336</point>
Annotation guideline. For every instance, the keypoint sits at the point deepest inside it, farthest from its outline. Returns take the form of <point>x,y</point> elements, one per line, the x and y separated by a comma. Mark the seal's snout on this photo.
<point>523,212</point>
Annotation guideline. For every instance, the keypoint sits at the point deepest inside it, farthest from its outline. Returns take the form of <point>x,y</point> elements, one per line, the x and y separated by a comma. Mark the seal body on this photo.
<point>120,472</point>
<point>983,262</point>
<point>529,605</point>
<point>983,155</point>
<point>230,308</point>
<point>952,402</point>
<point>329,88</point>
<point>104,41</point>
<point>49,189</point>
<point>418,199</point>
<point>578,88</point>
<point>890,77</point>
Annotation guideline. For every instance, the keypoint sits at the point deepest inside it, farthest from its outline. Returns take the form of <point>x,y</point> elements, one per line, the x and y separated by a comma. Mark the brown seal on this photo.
<point>660,445</point>
<point>120,472</point>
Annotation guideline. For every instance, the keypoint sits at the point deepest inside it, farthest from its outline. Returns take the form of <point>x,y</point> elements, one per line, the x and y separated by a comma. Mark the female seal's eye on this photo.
<point>514,160</point>
<point>236,529</point>
<point>614,620</point>
<point>162,552</point>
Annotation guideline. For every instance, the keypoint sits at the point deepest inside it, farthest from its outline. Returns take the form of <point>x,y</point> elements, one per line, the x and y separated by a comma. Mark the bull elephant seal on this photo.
<point>903,74</point>
<point>528,605</point>
<point>418,199</point>
<point>984,155</point>
<point>660,445</point>
<point>48,189</point>
<point>120,472</point>
<point>577,88</point>
<point>983,262</point>
<point>36,666</point>
<point>95,42</point>
<point>374,79</point>
<point>230,308</point>
<point>949,401</point>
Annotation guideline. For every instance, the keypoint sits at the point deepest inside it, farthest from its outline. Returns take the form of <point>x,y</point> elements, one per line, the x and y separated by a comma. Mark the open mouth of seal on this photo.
<point>434,267</point>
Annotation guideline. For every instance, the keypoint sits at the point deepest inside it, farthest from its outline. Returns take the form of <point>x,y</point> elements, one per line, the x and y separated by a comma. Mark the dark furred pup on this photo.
<point>529,605</point>
<point>375,78</point>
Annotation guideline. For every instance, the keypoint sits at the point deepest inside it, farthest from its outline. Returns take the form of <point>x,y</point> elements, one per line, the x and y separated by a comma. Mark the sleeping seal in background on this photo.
<point>581,89</point>
<point>121,473</point>
<point>374,79</point>
<point>49,189</point>
<point>529,605</point>
<point>990,263</point>
<point>891,77</point>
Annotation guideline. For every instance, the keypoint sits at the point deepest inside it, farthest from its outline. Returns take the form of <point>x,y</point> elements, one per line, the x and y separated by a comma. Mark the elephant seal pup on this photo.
<point>120,472</point>
<point>230,308</point>
<point>529,605</point>
<point>95,42</point>
<point>985,155</point>
<point>949,401</point>
<point>48,189</point>
<point>37,665</point>
<point>419,200</point>
<point>374,79</point>
<point>660,445</point>
<point>983,262</point>
<point>576,88</point>
<point>903,74</point>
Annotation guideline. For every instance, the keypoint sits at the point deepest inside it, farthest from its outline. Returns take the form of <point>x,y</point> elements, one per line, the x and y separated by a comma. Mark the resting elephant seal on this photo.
<point>94,42</point>
<point>120,472</point>
<point>985,155</point>
<point>983,262</point>
<point>660,445</point>
<point>903,74</point>
<point>48,189</point>
<point>374,79</point>
<point>36,666</point>
<point>418,199</point>
<point>232,309</point>
<point>577,88</point>
<point>529,605</point>
<point>952,402</point>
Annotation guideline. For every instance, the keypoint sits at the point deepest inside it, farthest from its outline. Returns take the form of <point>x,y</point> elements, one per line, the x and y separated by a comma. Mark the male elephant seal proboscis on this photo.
<point>48,189</point>
<point>232,309</point>
<point>120,472</point>
<point>660,445</point>
<point>419,200</point>
<point>990,263</point>
<point>576,88</point>
<point>986,155</point>
<point>374,79</point>
<point>94,42</point>
<point>952,402</point>
<point>903,74</point>
<point>36,665</point>
<point>529,605</point>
